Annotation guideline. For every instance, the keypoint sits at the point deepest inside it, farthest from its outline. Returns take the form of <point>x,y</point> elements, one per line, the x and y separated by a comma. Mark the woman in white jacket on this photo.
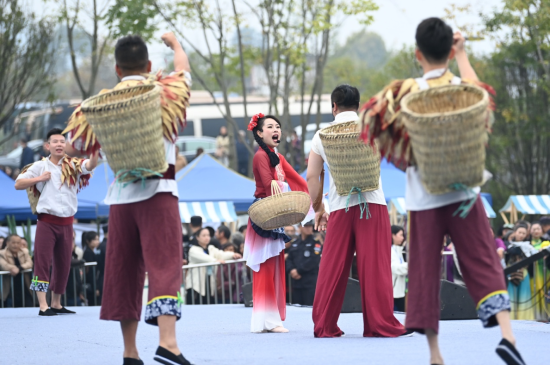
<point>399,268</point>
<point>196,279</point>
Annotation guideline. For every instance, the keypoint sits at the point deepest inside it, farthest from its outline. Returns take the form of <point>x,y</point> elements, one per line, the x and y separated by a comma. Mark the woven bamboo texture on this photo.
<point>352,163</point>
<point>33,199</point>
<point>128,126</point>
<point>447,128</point>
<point>280,209</point>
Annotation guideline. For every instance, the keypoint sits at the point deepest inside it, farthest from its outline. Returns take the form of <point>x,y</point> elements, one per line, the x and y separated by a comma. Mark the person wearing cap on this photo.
<point>302,264</point>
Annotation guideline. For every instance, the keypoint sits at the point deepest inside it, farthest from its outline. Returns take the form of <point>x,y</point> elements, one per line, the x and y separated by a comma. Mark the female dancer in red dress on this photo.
<point>264,250</point>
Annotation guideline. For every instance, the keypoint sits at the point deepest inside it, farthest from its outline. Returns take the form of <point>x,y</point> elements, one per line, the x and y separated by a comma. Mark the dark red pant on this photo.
<point>53,247</point>
<point>371,240</point>
<point>477,257</point>
<point>143,237</point>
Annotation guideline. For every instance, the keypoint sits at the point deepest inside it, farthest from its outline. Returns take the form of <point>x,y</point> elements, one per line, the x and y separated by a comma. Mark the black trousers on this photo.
<point>303,296</point>
<point>399,304</point>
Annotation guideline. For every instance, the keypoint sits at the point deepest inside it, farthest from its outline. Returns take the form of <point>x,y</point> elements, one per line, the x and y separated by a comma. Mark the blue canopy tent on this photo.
<point>525,204</point>
<point>393,180</point>
<point>207,180</point>
<point>95,193</point>
<point>15,203</point>
<point>397,206</point>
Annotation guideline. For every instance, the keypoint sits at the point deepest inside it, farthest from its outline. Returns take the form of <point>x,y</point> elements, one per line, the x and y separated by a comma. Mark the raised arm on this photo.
<point>181,61</point>
<point>263,167</point>
<point>464,66</point>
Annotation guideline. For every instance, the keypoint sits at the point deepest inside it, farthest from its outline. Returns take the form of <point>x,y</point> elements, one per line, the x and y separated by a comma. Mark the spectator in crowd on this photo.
<point>213,240</point>
<point>27,155</point>
<point>2,239</point>
<point>320,236</point>
<point>290,231</point>
<point>537,280</point>
<point>237,238</point>
<point>197,278</point>
<point>302,264</point>
<point>242,154</point>
<point>181,161</point>
<point>519,286</point>
<point>500,246</point>
<point>223,145</point>
<point>399,268</point>
<point>189,239</point>
<point>223,234</point>
<point>101,252</point>
<point>227,278</point>
<point>75,287</point>
<point>545,225</point>
<point>90,242</point>
<point>505,231</point>
<point>24,245</point>
<point>519,234</point>
<point>14,260</point>
<point>536,234</point>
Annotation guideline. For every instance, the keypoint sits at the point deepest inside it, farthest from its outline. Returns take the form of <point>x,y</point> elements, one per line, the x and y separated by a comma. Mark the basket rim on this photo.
<point>110,105</point>
<point>440,89</point>
<point>327,130</point>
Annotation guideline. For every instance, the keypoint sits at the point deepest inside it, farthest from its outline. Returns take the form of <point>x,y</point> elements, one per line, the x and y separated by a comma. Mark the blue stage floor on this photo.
<point>220,335</point>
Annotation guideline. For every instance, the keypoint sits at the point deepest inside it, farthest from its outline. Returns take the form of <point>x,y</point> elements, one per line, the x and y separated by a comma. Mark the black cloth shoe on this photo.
<point>508,353</point>
<point>47,313</point>
<point>168,358</point>
<point>63,310</point>
<point>408,333</point>
<point>131,361</point>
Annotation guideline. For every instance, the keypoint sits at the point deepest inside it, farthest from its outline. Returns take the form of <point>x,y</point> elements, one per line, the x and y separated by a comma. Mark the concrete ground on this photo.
<point>219,334</point>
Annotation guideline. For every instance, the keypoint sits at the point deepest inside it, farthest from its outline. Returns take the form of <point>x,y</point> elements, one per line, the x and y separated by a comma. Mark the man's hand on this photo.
<point>45,176</point>
<point>321,221</point>
<point>184,262</point>
<point>221,261</point>
<point>237,256</point>
<point>14,271</point>
<point>93,160</point>
<point>170,40</point>
<point>458,42</point>
<point>294,274</point>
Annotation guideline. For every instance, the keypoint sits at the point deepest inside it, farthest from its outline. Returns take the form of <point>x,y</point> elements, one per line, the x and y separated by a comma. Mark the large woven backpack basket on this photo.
<point>128,126</point>
<point>447,126</point>
<point>353,165</point>
<point>280,209</point>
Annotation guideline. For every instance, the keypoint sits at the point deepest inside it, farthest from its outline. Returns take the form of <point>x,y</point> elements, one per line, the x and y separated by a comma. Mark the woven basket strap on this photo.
<point>318,203</point>
<point>275,189</point>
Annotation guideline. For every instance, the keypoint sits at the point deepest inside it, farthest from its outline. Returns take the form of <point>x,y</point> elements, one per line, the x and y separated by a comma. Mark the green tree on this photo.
<point>27,54</point>
<point>518,154</point>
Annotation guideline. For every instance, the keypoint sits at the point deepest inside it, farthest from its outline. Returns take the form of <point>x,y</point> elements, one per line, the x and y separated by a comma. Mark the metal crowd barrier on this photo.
<point>24,287</point>
<point>238,275</point>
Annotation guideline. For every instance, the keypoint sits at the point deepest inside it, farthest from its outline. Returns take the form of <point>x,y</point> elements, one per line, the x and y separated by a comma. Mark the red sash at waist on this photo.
<point>53,219</point>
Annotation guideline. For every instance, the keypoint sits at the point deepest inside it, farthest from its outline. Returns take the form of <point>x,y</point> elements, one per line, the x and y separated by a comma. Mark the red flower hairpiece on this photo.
<point>254,121</point>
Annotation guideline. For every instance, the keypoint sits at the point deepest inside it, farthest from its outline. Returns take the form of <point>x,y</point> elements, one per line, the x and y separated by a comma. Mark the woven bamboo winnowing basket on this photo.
<point>33,199</point>
<point>447,129</point>
<point>353,165</point>
<point>128,125</point>
<point>280,209</point>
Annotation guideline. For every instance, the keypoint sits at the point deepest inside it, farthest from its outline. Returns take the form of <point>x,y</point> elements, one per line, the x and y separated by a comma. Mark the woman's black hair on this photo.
<point>396,229</point>
<point>88,237</point>
<point>273,157</point>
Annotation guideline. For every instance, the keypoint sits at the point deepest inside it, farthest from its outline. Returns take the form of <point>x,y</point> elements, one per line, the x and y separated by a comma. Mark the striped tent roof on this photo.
<point>399,204</point>
<point>209,211</point>
<point>528,204</point>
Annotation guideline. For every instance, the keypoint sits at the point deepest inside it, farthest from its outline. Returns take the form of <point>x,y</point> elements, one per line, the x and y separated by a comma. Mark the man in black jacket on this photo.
<point>27,154</point>
<point>302,264</point>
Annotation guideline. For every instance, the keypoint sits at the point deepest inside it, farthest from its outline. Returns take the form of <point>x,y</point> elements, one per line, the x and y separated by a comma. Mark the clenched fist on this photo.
<point>45,176</point>
<point>169,39</point>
